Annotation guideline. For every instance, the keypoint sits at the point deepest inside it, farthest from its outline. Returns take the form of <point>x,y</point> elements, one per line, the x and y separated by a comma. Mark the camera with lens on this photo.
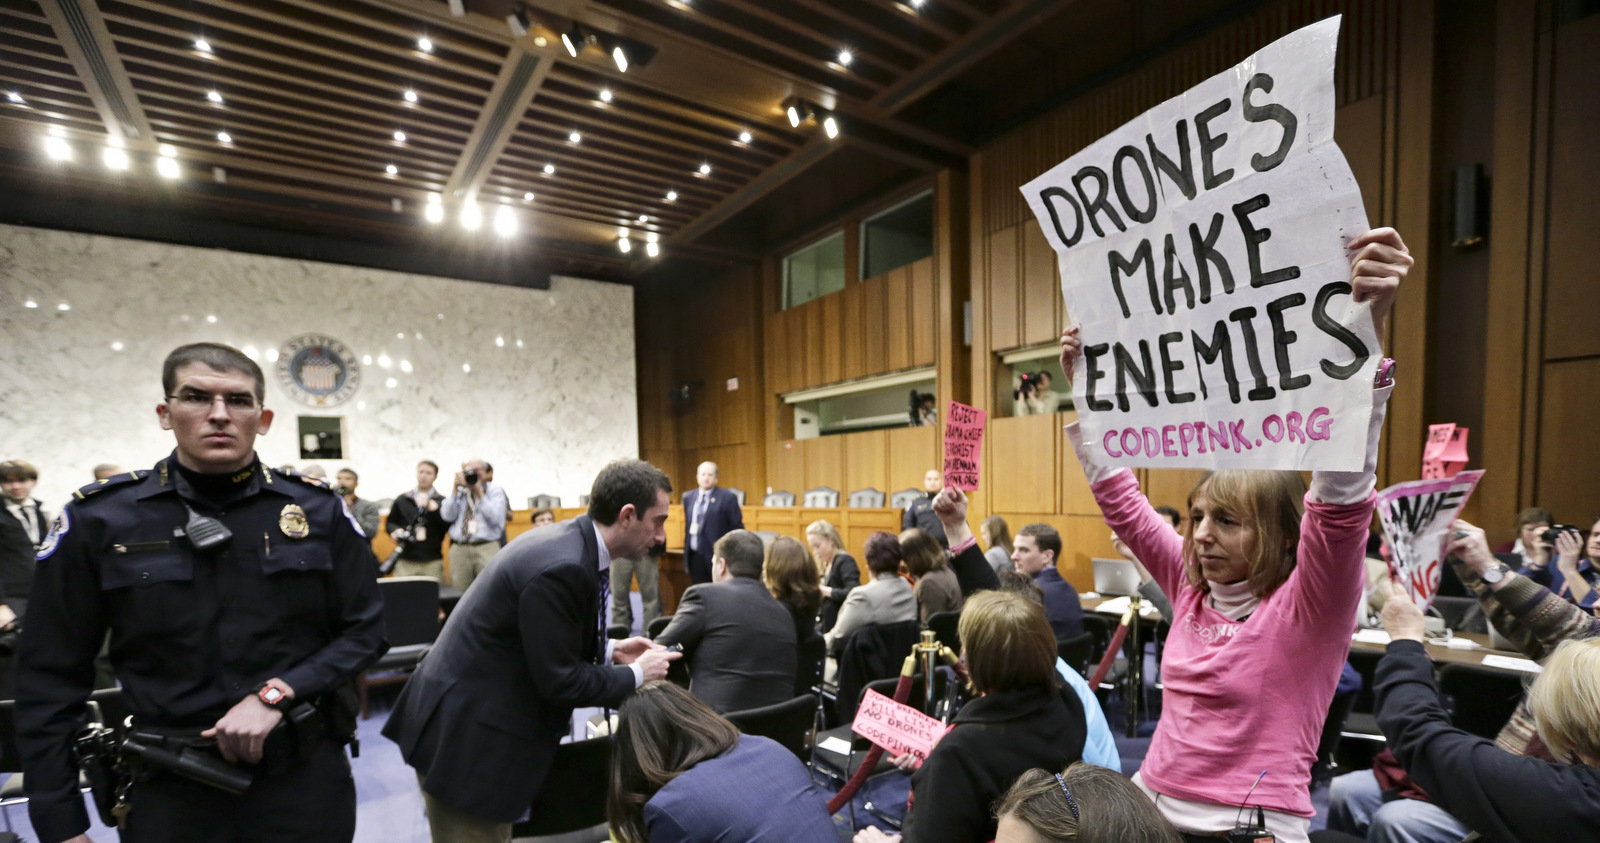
<point>341,490</point>
<point>1550,535</point>
<point>1027,387</point>
<point>471,476</point>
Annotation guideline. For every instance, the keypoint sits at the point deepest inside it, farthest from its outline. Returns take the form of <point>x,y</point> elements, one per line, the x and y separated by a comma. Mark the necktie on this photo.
<point>605,603</point>
<point>29,523</point>
<point>700,502</point>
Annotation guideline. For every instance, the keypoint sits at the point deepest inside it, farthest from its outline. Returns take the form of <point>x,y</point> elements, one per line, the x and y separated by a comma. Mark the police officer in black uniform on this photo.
<point>215,640</point>
<point>920,513</point>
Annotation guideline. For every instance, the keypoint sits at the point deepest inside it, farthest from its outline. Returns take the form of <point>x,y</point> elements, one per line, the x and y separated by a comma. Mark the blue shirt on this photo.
<point>1551,577</point>
<point>756,791</point>
<point>1100,747</point>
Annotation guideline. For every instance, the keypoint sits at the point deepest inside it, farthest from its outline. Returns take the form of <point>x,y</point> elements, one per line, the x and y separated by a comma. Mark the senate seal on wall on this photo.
<point>318,370</point>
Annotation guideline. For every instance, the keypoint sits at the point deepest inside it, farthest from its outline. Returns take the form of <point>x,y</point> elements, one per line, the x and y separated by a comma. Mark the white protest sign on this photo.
<point>1416,518</point>
<point>1202,249</point>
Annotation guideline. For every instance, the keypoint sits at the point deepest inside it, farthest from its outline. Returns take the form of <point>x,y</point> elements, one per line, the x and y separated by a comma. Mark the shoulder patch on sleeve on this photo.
<point>313,482</point>
<point>99,486</point>
<point>57,531</point>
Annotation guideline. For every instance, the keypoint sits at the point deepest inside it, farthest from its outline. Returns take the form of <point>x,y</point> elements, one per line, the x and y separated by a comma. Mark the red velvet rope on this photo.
<point>1111,655</point>
<point>902,691</point>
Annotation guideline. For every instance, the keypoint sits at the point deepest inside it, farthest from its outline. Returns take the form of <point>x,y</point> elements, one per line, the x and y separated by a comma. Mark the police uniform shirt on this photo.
<point>291,595</point>
<point>920,515</point>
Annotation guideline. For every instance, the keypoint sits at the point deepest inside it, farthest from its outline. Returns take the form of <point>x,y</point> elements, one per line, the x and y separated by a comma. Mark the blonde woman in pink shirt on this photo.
<point>1264,584</point>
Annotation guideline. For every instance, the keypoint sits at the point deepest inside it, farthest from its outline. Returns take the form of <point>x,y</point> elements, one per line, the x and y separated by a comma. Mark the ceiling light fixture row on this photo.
<point>470,215</point>
<point>57,148</point>
<point>624,52</point>
<point>800,112</point>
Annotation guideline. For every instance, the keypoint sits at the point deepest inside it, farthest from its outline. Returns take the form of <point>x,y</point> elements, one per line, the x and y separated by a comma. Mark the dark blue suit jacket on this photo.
<point>723,516</point>
<point>755,791</point>
<point>1060,603</point>
<point>482,715</point>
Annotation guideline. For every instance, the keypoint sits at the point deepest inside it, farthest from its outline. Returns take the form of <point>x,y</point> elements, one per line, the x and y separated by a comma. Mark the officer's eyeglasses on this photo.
<point>196,401</point>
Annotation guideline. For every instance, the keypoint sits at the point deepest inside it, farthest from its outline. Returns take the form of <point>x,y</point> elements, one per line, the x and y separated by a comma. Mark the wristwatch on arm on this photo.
<point>1495,574</point>
<point>273,696</point>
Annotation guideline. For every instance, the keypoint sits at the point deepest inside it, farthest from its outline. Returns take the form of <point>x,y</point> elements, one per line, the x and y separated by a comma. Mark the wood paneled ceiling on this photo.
<point>342,107</point>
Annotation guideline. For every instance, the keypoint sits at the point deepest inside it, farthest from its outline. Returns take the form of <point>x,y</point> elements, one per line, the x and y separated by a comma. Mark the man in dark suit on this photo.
<point>739,639</point>
<point>1034,552</point>
<point>709,513</point>
<point>482,716</point>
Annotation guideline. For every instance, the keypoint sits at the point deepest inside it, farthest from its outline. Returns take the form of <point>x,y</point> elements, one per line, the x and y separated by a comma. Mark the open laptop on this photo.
<point>1115,577</point>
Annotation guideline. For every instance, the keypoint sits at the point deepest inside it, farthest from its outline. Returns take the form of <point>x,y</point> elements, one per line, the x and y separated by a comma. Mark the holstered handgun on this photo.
<point>97,752</point>
<point>162,753</point>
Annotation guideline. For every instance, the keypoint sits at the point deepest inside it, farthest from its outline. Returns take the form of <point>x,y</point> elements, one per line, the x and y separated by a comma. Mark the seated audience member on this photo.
<point>1034,552</point>
<point>1267,578</point>
<point>1572,574</point>
<point>1101,745</point>
<point>791,576</point>
<point>997,535</point>
<point>839,570</point>
<point>936,587</point>
<point>682,774</point>
<point>416,524</point>
<point>364,511</point>
<point>1497,794</point>
<point>106,471</point>
<point>739,641</point>
<point>920,514</point>
<point>1083,804</point>
<point>543,515</point>
<point>1536,621</point>
<point>887,598</point>
<point>1149,589</point>
<point>1020,717</point>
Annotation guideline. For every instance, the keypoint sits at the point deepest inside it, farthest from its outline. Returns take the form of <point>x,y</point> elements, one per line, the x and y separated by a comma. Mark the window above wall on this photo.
<point>900,235</point>
<point>874,403</point>
<point>1031,362</point>
<point>814,271</point>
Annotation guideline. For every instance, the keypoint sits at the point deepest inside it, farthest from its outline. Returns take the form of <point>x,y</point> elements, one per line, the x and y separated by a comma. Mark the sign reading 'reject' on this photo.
<point>1202,250</point>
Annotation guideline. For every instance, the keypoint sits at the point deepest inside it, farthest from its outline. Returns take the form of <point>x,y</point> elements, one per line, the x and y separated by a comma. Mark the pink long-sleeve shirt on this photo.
<point>1242,697</point>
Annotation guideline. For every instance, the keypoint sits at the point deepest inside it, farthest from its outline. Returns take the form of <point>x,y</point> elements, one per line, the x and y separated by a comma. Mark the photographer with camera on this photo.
<point>240,601</point>
<point>1566,565</point>
<point>1033,395</point>
<point>366,512</point>
<point>476,511</point>
<point>418,528</point>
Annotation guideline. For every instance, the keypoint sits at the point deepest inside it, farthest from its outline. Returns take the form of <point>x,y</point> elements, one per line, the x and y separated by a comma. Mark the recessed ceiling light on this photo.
<point>643,219</point>
<point>214,96</point>
<point>652,249</point>
<point>540,41</point>
<point>391,383</point>
<point>425,44</point>
<point>392,170</point>
<point>167,167</point>
<point>471,216</point>
<point>519,343</point>
<point>500,342</point>
<point>651,237</point>
<point>405,366</point>
<point>622,231</point>
<point>212,319</point>
<point>63,306</point>
<point>745,136</point>
<point>384,361</point>
<point>830,126</point>
<point>605,95</point>
<point>527,197</point>
<point>15,97</point>
<point>434,212</point>
<point>549,169</point>
<point>251,352</point>
<point>202,45</point>
<point>399,137</point>
<point>672,196</point>
<point>466,367</point>
<point>117,346</point>
<point>58,149</point>
<point>575,137</point>
<point>224,137</point>
<point>620,56</point>
<point>624,245</point>
<point>705,169</point>
<point>400,335</point>
<point>410,95</point>
<point>168,150</point>
<point>30,304</point>
<point>366,360</point>
<point>845,57</point>
<point>116,158</point>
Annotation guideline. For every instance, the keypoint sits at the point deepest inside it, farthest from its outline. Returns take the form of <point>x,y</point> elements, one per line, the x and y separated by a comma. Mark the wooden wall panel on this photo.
<point>912,451</point>
<point>853,334</point>
<point>824,463</point>
<point>786,469</point>
<point>923,307</point>
<point>1568,460</point>
<point>1170,487</point>
<point>1041,292</point>
<point>866,463</point>
<point>874,326</point>
<point>832,338</point>
<point>1021,470</point>
<point>1572,275</point>
<point>810,345</point>
<point>1004,265</point>
<point>897,316</point>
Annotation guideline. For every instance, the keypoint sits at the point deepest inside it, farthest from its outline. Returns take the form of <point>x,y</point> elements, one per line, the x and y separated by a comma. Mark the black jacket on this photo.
<point>482,715</point>
<point>291,595</point>
<point>843,575</point>
<point>1505,798</point>
<point>920,515</point>
<point>16,564</point>
<point>404,514</point>
<point>996,739</point>
<point>739,641</point>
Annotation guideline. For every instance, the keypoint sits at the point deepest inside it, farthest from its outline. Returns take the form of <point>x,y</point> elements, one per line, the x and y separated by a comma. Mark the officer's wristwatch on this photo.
<point>1495,574</point>
<point>272,696</point>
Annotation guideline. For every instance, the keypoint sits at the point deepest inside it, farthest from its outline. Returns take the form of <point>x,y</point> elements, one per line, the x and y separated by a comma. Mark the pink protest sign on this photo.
<point>1445,453</point>
<point>897,727</point>
<point>963,442</point>
<point>1416,520</point>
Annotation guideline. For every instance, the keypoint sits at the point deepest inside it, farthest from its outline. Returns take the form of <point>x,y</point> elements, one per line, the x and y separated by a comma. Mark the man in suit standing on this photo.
<point>709,513</point>
<point>739,639</point>
<point>415,523</point>
<point>482,716</point>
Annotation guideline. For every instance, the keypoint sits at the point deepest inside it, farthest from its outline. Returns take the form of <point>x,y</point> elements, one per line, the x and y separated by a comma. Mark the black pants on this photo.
<point>699,566</point>
<point>314,803</point>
